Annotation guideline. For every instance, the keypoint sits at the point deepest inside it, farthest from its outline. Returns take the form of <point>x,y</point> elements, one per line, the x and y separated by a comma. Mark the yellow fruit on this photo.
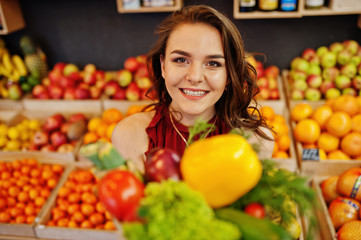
<point>321,115</point>
<point>94,123</point>
<point>34,124</point>
<point>13,145</point>
<point>3,141</point>
<point>307,131</point>
<point>328,142</point>
<point>13,133</point>
<point>3,130</point>
<point>24,136</point>
<point>301,111</point>
<point>110,131</point>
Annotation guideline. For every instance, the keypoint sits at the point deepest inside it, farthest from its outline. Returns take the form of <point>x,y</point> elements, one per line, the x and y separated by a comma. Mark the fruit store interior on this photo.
<point>57,115</point>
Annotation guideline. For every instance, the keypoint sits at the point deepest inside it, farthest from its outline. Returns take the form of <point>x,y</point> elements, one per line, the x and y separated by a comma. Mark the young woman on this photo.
<point>199,69</point>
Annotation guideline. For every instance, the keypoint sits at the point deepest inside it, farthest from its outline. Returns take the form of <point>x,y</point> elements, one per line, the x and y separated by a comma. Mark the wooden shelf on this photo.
<point>11,16</point>
<point>301,12</point>
<point>178,4</point>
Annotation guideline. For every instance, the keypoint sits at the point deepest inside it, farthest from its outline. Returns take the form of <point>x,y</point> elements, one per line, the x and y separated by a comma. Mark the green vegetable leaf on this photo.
<point>200,128</point>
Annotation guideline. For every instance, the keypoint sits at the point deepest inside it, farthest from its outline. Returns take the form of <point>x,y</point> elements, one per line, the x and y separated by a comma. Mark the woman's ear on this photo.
<point>161,59</point>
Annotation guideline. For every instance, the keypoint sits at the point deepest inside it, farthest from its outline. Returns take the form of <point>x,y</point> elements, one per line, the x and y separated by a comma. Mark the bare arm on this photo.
<point>130,139</point>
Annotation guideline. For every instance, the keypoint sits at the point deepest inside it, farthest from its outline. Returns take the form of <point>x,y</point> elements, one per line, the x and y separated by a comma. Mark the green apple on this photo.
<point>315,69</point>
<point>342,81</point>
<point>328,59</point>
<point>332,93</point>
<point>321,50</point>
<point>15,92</point>
<point>349,70</point>
<point>336,47</point>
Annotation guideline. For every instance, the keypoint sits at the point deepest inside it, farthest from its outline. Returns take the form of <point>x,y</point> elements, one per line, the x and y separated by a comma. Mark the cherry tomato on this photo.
<point>120,192</point>
<point>256,210</point>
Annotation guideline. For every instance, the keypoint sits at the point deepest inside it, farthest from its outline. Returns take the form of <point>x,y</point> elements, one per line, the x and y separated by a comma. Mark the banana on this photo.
<point>7,62</point>
<point>4,71</point>
<point>4,92</point>
<point>15,75</point>
<point>19,65</point>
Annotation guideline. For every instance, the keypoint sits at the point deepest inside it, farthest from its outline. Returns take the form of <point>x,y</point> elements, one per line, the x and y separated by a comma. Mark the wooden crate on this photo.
<point>7,115</point>
<point>49,232</point>
<point>8,104</point>
<point>11,16</point>
<point>280,108</point>
<point>7,230</point>
<point>320,167</point>
<point>70,106</point>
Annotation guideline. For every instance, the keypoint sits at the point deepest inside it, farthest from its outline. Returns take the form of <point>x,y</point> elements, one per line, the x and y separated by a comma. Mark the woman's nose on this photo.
<point>195,73</point>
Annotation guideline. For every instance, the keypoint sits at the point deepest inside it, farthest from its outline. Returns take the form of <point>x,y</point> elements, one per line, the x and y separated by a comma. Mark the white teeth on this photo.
<point>193,93</point>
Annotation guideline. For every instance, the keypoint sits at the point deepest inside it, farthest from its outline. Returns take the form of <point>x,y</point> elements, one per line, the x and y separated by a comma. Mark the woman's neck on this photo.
<point>189,119</point>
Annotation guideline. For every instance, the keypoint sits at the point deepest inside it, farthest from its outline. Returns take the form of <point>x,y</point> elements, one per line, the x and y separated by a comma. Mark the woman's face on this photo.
<point>194,70</point>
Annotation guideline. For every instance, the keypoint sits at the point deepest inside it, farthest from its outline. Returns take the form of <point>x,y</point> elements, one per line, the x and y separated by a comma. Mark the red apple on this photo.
<point>262,82</point>
<point>69,93</point>
<point>111,88</point>
<point>274,94</point>
<point>144,82</point>
<point>141,59</point>
<point>76,77</point>
<point>45,81</point>
<point>90,78</point>
<point>65,127</point>
<point>100,84</point>
<point>56,92</point>
<point>314,81</point>
<point>259,69</point>
<point>356,82</point>
<point>162,164</point>
<point>272,83</point>
<point>343,210</point>
<point>59,67</point>
<point>141,72</point>
<point>82,93</point>
<point>308,53</point>
<point>272,71</point>
<point>328,188</point>
<point>40,138</point>
<point>264,94</point>
<point>77,117</point>
<point>100,75</point>
<point>347,181</point>
<point>53,122</point>
<point>54,76</point>
<point>58,138</point>
<point>120,94</point>
<point>39,90</point>
<point>131,64</point>
<point>47,148</point>
<point>66,82</point>
<point>132,92</point>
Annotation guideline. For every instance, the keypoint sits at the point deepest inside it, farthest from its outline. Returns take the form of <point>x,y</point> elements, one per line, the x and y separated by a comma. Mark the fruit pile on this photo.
<point>266,80</point>
<point>326,72</point>
<point>59,133</point>
<point>77,206</point>
<point>281,132</point>
<point>25,185</point>
<point>334,127</point>
<point>17,137</point>
<point>342,196</point>
<point>102,127</point>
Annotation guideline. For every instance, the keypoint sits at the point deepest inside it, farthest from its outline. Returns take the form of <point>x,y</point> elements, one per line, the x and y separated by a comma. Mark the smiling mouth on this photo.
<point>193,93</point>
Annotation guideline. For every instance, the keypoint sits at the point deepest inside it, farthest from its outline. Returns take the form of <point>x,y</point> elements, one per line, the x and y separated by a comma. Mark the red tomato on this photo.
<point>120,192</point>
<point>256,210</point>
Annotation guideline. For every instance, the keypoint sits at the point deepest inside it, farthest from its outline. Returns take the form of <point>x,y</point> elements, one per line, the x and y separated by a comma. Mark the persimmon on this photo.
<point>90,137</point>
<point>347,104</point>
<point>339,124</point>
<point>356,123</point>
<point>328,142</point>
<point>284,142</point>
<point>87,209</point>
<point>307,131</point>
<point>338,155</point>
<point>301,111</point>
<point>109,225</point>
<point>112,115</point>
<point>94,123</point>
<point>351,144</point>
<point>4,217</point>
<point>267,113</point>
<point>321,115</point>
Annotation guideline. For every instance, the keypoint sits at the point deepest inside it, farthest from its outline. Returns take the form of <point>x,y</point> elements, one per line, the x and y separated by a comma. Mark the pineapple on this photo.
<point>35,59</point>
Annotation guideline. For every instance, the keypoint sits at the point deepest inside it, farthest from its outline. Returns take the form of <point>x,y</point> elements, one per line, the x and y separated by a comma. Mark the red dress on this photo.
<point>162,133</point>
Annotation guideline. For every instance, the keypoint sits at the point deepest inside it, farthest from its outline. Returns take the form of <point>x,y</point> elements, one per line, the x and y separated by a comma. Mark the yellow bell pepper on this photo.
<point>223,168</point>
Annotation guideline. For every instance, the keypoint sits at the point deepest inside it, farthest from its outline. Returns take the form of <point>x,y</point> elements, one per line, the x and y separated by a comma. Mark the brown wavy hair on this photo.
<point>234,105</point>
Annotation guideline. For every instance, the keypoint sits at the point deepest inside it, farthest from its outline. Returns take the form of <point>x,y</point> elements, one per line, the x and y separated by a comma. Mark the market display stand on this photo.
<point>178,4</point>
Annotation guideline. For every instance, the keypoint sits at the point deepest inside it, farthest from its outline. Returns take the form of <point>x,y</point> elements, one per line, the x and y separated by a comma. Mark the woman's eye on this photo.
<point>179,60</point>
<point>213,64</point>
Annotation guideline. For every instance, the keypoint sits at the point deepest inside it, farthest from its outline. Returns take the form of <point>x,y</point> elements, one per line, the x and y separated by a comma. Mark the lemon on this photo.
<point>3,141</point>
<point>21,127</point>
<point>13,133</point>
<point>25,135</point>
<point>34,124</point>
<point>25,122</point>
<point>13,145</point>
<point>3,129</point>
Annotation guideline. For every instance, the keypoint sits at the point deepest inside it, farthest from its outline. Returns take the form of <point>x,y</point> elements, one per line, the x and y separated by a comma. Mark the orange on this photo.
<point>307,131</point>
<point>279,128</point>
<point>110,129</point>
<point>275,148</point>
<point>284,142</point>
<point>358,99</point>
<point>112,115</point>
<point>134,109</point>
<point>338,155</point>
<point>351,230</point>
<point>347,104</point>
<point>102,130</point>
<point>339,124</point>
<point>328,142</point>
<point>351,144</point>
<point>279,118</point>
<point>281,154</point>
<point>90,137</point>
<point>322,154</point>
<point>301,111</point>
<point>267,112</point>
<point>356,123</point>
<point>94,123</point>
<point>321,115</point>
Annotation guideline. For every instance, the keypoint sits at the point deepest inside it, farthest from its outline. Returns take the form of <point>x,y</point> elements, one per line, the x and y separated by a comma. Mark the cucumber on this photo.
<point>253,228</point>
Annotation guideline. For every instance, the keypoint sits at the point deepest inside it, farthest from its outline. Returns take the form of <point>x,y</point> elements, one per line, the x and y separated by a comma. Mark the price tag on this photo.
<point>312,154</point>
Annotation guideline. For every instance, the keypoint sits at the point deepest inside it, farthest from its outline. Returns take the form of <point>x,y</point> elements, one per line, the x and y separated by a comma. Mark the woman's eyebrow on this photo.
<point>188,54</point>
